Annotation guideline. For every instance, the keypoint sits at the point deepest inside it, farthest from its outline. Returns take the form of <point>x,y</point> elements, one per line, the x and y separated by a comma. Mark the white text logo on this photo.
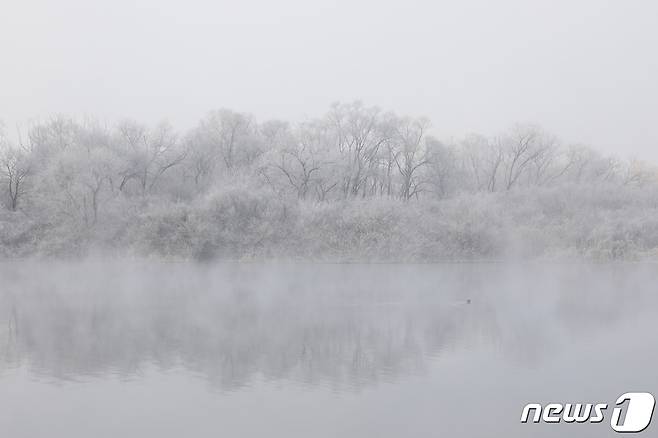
<point>632,413</point>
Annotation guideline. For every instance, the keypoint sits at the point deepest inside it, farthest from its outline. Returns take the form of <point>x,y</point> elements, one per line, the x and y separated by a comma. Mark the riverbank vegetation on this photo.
<point>356,184</point>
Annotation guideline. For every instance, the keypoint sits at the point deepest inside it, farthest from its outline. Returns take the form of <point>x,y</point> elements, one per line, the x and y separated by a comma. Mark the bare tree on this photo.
<point>411,155</point>
<point>148,154</point>
<point>443,173</point>
<point>359,133</point>
<point>231,137</point>
<point>483,159</point>
<point>522,146</point>
<point>298,165</point>
<point>303,159</point>
<point>16,169</point>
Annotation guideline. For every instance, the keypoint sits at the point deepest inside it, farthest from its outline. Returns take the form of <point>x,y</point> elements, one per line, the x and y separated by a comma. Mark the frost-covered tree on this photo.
<point>360,133</point>
<point>146,155</point>
<point>356,181</point>
<point>15,168</point>
<point>411,155</point>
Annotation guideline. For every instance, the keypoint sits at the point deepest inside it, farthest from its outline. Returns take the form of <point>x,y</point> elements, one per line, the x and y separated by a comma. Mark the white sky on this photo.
<point>586,70</point>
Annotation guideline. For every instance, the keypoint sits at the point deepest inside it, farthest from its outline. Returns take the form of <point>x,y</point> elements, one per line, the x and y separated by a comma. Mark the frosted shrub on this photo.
<point>372,229</point>
<point>165,230</point>
<point>238,223</point>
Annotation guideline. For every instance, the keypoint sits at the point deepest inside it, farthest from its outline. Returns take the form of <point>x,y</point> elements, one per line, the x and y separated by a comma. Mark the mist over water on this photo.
<point>136,348</point>
<point>328,219</point>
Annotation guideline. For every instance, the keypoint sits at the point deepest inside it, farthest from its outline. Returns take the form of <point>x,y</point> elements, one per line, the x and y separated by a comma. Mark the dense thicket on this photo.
<point>356,184</point>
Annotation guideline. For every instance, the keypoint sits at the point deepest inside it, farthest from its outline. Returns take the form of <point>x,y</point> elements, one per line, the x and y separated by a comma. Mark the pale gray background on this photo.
<point>584,69</point>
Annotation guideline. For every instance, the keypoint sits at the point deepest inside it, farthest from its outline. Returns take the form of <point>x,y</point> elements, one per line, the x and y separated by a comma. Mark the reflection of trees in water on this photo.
<point>336,326</point>
<point>229,343</point>
<point>230,326</point>
<point>8,335</point>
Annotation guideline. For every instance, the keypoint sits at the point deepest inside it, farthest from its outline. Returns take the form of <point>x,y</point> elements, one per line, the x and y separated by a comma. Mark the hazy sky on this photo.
<point>587,70</point>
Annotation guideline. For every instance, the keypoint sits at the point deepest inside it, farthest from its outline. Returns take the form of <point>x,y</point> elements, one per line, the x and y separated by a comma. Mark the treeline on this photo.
<point>357,183</point>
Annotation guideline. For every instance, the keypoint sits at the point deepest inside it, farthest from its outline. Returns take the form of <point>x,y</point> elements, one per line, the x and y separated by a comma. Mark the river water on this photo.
<point>151,349</point>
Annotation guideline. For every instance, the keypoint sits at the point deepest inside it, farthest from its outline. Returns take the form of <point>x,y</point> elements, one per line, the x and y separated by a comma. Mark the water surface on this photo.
<point>146,349</point>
